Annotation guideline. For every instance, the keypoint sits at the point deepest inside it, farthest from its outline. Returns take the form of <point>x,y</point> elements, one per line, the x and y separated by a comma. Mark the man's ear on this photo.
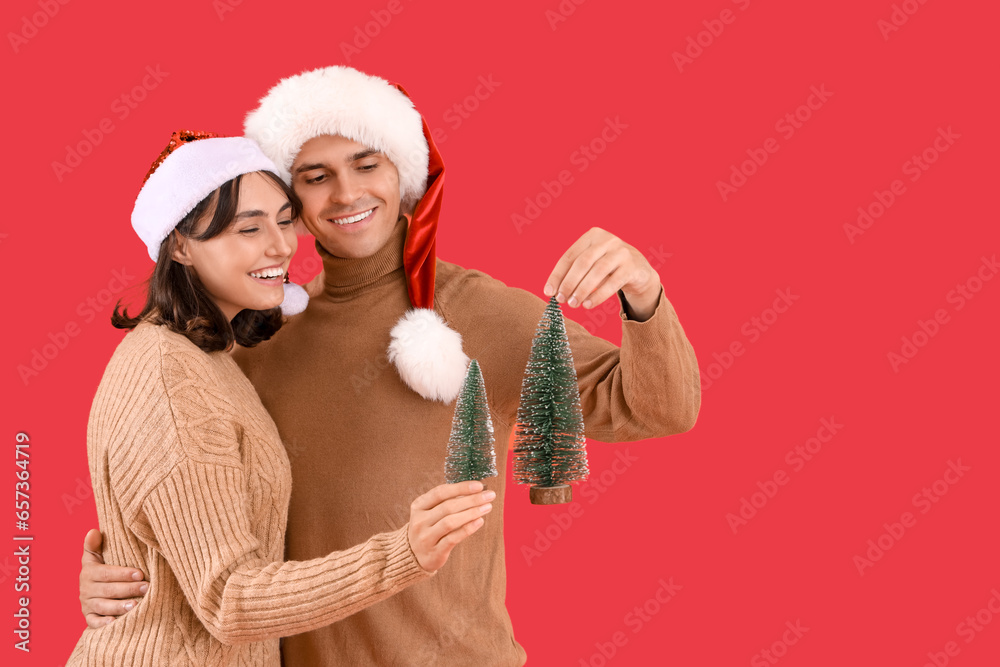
<point>182,249</point>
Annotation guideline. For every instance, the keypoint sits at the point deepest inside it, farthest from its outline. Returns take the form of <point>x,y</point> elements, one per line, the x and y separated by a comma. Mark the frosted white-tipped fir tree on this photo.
<point>470,446</point>
<point>549,442</point>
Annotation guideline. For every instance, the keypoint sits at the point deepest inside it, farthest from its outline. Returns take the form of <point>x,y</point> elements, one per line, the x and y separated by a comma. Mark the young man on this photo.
<point>361,384</point>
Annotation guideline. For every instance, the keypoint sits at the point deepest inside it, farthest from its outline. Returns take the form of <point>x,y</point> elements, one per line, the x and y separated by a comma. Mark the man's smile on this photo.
<point>352,219</point>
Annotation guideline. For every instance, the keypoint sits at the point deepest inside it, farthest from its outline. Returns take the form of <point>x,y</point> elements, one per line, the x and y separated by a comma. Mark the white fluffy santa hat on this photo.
<point>189,169</point>
<point>373,112</point>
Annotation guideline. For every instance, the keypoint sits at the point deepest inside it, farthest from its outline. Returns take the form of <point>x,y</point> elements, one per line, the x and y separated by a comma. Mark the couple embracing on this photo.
<point>228,435</point>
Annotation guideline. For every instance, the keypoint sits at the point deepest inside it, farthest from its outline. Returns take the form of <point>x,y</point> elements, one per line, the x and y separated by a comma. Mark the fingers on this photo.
<point>443,492</point>
<point>592,271</point>
<point>453,523</point>
<point>95,621</point>
<point>449,507</point>
<point>558,275</point>
<point>452,539</point>
<point>112,592</point>
<point>92,547</point>
<point>103,608</point>
<point>96,572</point>
<point>592,296</point>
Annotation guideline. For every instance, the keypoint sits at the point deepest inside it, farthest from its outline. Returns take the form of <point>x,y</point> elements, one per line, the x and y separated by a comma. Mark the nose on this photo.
<point>345,190</point>
<point>277,243</point>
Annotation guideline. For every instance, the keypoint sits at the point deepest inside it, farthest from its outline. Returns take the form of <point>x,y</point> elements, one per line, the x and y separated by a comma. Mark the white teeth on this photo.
<point>268,273</point>
<point>354,218</point>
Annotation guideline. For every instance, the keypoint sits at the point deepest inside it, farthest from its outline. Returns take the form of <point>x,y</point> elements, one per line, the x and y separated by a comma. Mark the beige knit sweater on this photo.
<point>192,485</point>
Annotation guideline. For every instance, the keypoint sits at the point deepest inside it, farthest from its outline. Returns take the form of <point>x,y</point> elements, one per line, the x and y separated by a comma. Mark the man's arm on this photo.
<point>106,591</point>
<point>647,388</point>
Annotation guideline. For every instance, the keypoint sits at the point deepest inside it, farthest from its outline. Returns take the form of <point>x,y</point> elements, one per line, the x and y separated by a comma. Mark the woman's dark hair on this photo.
<point>178,300</point>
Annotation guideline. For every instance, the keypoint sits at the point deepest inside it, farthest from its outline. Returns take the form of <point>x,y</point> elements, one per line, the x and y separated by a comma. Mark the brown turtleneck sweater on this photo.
<point>362,445</point>
<point>192,484</point>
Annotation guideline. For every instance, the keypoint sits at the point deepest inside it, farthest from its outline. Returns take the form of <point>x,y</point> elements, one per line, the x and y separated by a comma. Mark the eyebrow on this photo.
<point>310,167</point>
<point>257,213</point>
<point>360,155</point>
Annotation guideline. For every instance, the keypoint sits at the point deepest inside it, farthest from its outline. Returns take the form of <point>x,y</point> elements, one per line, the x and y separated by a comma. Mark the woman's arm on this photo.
<point>107,591</point>
<point>197,520</point>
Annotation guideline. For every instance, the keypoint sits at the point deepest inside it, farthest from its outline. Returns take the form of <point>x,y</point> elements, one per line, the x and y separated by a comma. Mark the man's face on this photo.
<point>349,193</point>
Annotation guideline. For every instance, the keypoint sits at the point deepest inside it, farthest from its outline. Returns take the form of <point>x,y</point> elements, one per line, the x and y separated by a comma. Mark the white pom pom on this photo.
<point>295,300</point>
<point>428,355</point>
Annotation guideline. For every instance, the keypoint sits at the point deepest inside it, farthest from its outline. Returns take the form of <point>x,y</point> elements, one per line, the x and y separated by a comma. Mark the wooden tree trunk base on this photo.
<point>551,495</point>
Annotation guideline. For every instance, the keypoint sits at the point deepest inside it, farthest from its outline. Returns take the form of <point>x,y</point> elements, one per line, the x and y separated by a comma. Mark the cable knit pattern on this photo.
<point>192,485</point>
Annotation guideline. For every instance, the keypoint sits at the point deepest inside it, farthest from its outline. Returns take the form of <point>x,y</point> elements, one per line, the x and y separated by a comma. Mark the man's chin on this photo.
<point>344,251</point>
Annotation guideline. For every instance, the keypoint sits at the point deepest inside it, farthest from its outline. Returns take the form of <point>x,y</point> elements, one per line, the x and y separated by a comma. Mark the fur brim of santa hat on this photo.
<point>189,174</point>
<point>342,101</point>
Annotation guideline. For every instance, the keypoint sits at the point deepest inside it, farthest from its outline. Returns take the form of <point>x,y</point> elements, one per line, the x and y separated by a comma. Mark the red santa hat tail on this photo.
<point>427,353</point>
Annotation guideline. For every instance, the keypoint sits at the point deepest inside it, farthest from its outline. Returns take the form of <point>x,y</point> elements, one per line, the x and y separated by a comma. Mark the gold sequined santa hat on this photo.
<point>190,168</point>
<point>342,101</point>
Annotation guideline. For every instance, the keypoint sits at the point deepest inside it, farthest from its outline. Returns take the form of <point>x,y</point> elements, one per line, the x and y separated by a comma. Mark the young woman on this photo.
<point>190,476</point>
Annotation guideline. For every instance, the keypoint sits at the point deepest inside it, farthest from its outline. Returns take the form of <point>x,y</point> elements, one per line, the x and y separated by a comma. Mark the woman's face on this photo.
<point>245,265</point>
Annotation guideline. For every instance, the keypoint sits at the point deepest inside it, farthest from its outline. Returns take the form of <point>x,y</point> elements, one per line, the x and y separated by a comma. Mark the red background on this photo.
<point>664,516</point>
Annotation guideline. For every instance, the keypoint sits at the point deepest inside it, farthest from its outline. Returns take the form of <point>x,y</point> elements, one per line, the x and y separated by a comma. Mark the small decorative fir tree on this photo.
<point>549,442</point>
<point>470,447</point>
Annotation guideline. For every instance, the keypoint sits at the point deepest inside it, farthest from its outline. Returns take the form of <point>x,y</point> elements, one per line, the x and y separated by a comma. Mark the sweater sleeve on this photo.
<point>647,388</point>
<point>197,520</point>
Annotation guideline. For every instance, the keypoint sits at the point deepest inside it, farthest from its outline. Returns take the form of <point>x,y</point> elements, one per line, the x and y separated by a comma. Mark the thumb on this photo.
<point>92,547</point>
